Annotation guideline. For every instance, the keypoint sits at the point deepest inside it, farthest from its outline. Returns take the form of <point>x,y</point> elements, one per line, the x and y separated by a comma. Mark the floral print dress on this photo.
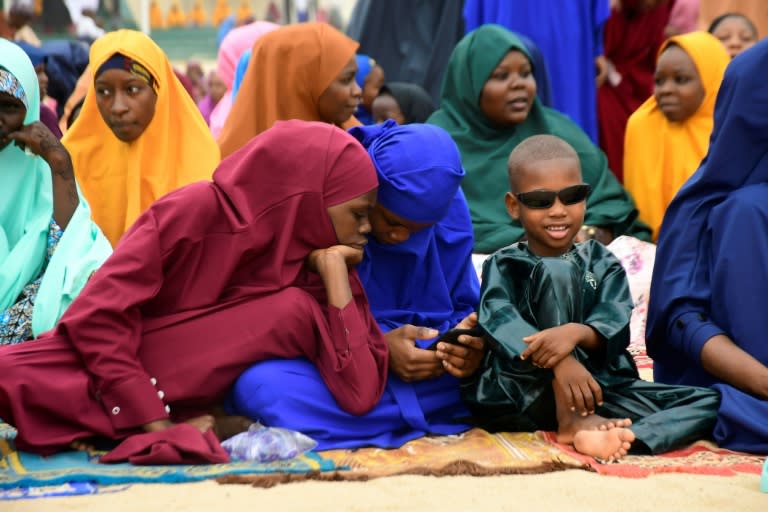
<point>16,321</point>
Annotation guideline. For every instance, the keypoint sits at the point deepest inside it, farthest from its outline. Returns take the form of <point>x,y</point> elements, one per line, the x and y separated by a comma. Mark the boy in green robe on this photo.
<point>556,315</point>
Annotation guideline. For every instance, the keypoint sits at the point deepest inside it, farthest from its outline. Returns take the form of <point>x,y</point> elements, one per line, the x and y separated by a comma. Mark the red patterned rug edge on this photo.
<point>633,471</point>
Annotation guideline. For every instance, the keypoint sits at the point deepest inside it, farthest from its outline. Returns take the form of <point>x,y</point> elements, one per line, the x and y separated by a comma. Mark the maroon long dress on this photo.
<point>632,40</point>
<point>210,280</point>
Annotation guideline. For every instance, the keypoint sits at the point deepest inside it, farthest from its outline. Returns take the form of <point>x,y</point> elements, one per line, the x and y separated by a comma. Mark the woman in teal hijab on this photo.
<point>48,244</point>
<point>489,105</point>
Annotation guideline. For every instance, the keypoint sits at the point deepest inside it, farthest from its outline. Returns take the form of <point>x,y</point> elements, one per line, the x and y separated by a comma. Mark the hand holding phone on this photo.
<point>452,336</point>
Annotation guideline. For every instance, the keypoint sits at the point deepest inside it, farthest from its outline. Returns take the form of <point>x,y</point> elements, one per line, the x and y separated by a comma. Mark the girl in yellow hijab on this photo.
<point>139,134</point>
<point>668,136</point>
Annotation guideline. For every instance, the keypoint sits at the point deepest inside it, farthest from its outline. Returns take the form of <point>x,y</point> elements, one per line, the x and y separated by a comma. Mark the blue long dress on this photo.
<point>568,33</point>
<point>427,280</point>
<point>711,275</point>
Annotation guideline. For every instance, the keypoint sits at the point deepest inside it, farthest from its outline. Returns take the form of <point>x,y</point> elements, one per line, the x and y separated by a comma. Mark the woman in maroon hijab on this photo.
<point>214,277</point>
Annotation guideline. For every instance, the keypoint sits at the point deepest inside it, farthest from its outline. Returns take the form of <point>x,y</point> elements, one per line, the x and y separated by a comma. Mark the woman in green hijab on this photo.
<point>489,105</point>
<point>48,245</point>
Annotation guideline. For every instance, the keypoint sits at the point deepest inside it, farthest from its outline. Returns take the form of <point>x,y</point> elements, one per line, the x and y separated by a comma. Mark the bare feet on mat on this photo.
<point>82,446</point>
<point>228,426</point>
<point>575,423</point>
<point>608,445</point>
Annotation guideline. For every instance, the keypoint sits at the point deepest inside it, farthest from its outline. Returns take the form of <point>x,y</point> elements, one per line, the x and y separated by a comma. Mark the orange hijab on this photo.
<point>121,179</point>
<point>660,155</point>
<point>289,69</point>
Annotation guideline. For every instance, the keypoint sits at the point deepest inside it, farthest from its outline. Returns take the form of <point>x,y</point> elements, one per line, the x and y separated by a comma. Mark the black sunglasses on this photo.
<point>541,199</point>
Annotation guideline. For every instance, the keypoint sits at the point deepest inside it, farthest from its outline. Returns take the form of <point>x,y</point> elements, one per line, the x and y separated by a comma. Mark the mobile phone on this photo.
<point>452,336</point>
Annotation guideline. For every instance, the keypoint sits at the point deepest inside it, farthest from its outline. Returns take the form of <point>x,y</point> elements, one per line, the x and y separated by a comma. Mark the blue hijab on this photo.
<point>242,67</point>
<point>429,279</point>
<point>679,311</point>
<point>364,66</point>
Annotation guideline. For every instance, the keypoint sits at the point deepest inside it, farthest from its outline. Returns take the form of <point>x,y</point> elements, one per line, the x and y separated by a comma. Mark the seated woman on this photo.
<point>706,321</point>
<point>404,102</point>
<point>302,71</point>
<point>489,106</point>
<point>258,264</point>
<point>417,271</point>
<point>48,244</point>
<point>668,135</point>
<point>139,135</point>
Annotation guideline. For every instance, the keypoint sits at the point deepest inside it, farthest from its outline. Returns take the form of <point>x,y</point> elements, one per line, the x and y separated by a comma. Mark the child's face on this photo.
<point>386,107</point>
<point>735,35</point>
<point>508,94</point>
<point>339,100</point>
<point>351,221</point>
<point>389,228</point>
<point>126,103</point>
<point>372,86</point>
<point>677,85</point>
<point>550,231</point>
<point>216,88</point>
<point>12,113</point>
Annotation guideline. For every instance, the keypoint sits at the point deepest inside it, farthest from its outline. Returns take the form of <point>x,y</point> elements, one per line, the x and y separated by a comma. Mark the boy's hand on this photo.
<point>548,347</point>
<point>406,360</point>
<point>581,390</point>
<point>463,360</point>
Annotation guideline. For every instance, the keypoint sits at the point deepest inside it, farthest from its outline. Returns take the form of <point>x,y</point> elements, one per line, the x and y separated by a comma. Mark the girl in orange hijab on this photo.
<point>668,136</point>
<point>139,134</point>
<point>303,71</point>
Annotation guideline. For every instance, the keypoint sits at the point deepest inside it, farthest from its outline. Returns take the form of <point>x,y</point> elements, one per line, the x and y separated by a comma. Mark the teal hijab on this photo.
<point>485,147</point>
<point>26,209</point>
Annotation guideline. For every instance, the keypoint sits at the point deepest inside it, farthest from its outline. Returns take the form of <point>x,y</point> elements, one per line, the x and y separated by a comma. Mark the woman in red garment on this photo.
<point>214,277</point>
<point>633,36</point>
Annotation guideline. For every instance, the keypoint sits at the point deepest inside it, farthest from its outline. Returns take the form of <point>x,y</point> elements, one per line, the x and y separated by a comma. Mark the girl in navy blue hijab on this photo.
<point>417,271</point>
<point>707,319</point>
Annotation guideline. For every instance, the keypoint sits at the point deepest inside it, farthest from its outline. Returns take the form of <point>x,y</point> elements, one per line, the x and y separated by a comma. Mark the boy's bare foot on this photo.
<point>575,424</point>
<point>608,445</point>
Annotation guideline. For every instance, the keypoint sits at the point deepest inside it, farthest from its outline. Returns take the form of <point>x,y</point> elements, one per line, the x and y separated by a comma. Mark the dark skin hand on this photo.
<point>548,347</point>
<point>37,138</point>
<point>721,357</point>
<point>333,266</point>
<point>411,363</point>
<point>581,391</point>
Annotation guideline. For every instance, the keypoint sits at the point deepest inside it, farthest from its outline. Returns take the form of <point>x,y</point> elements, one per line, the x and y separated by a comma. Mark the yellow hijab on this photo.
<point>659,155</point>
<point>120,179</point>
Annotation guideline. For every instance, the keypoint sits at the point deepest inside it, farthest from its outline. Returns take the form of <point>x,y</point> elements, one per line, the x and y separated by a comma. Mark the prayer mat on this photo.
<point>475,453</point>
<point>701,458</point>
<point>19,470</point>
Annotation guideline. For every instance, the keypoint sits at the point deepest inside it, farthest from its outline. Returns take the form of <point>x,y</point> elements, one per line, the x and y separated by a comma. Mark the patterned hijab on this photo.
<point>26,209</point>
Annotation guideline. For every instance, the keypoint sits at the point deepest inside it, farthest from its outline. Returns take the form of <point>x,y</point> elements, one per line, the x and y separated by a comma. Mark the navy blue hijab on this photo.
<point>429,279</point>
<point>680,300</point>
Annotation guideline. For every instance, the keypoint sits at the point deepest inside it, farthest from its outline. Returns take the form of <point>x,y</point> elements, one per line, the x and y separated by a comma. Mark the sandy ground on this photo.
<point>565,491</point>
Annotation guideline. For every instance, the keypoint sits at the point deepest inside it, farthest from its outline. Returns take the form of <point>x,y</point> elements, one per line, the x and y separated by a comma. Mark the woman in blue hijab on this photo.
<point>707,321</point>
<point>417,271</point>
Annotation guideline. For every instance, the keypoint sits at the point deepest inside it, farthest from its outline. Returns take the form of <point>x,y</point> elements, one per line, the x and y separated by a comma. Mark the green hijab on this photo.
<point>485,147</point>
<point>26,209</point>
